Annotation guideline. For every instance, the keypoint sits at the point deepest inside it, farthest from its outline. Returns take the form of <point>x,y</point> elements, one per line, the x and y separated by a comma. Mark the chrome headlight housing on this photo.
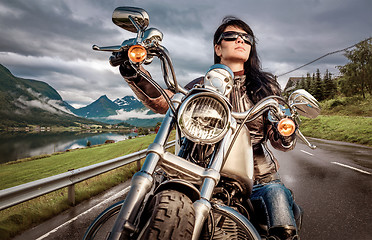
<point>204,117</point>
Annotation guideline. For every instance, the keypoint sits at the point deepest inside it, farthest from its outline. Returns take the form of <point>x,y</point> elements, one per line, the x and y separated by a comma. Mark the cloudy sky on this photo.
<point>51,40</point>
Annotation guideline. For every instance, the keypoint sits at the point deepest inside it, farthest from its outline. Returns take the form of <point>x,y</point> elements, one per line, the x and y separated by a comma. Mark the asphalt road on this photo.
<point>333,184</point>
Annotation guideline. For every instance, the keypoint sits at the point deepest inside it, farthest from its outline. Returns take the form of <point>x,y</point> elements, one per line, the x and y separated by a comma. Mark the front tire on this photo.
<point>102,225</point>
<point>170,215</point>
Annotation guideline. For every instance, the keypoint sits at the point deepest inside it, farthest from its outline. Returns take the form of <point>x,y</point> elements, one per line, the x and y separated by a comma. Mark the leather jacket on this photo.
<point>261,130</point>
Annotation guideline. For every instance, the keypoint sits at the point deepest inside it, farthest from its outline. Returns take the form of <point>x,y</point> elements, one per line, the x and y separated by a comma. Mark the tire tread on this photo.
<point>173,216</point>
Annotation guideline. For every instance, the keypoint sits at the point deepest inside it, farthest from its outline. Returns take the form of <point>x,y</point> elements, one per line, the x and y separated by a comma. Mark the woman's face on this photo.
<point>233,53</point>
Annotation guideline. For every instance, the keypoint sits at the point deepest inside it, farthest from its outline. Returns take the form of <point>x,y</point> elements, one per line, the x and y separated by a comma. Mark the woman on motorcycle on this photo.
<point>235,47</point>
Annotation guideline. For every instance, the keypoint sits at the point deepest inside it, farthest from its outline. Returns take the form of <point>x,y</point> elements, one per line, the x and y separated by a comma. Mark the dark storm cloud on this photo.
<point>51,40</point>
<point>47,28</point>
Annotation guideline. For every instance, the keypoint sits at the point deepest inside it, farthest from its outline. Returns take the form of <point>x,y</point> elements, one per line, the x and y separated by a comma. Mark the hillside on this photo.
<point>348,106</point>
<point>25,102</point>
<point>30,102</point>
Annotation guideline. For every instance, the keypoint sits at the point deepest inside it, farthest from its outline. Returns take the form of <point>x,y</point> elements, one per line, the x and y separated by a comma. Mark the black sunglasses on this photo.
<point>232,36</point>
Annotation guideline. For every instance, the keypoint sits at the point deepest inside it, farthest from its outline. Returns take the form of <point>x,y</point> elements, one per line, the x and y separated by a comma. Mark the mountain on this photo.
<point>129,103</point>
<point>30,102</point>
<point>110,112</point>
<point>102,107</point>
<point>138,122</point>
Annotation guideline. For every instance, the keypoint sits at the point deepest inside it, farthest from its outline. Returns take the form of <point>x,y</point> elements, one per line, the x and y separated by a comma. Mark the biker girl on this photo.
<point>235,46</point>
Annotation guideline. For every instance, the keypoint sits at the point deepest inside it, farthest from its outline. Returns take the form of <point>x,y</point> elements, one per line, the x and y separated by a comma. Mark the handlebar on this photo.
<point>155,49</point>
<point>262,106</point>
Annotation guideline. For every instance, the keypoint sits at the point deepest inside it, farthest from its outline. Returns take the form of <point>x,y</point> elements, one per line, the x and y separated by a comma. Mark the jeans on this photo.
<point>277,202</point>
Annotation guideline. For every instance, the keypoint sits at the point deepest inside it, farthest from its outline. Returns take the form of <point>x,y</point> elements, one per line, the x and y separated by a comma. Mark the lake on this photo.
<point>17,145</point>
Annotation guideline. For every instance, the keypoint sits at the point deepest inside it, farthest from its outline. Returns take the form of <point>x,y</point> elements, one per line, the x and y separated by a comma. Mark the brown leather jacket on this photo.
<point>261,130</point>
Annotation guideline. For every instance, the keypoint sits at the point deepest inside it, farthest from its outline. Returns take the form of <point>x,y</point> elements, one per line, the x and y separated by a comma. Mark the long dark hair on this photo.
<point>259,83</point>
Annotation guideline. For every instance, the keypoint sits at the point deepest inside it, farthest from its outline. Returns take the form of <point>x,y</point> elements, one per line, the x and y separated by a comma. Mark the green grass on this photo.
<point>348,106</point>
<point>347,119</point>
<point>23,171</point>
<point>339,128</point>
<point>23,216</point>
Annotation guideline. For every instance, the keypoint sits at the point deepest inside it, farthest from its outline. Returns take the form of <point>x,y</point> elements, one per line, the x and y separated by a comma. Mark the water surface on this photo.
<point>17,145</point>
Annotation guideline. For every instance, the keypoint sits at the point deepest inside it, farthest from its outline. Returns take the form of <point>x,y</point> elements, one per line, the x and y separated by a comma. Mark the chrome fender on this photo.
<point>242,221</point>
<point>181,186</point>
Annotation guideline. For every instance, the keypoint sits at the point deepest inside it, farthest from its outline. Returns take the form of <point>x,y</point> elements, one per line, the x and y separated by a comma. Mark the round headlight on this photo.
<point>204,118</point>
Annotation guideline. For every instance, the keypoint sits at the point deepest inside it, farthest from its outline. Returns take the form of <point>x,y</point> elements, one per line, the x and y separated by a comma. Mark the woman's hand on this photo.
<point>121,59</point>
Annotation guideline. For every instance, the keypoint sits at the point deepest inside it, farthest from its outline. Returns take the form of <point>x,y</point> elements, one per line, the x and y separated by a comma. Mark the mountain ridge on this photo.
<point>105,110</point>
<point>31,102</point>
<point>102,107</point>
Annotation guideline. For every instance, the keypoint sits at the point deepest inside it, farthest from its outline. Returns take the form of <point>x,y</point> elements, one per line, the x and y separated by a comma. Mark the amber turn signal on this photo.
<point>137,53</point>
<point>286,127</point>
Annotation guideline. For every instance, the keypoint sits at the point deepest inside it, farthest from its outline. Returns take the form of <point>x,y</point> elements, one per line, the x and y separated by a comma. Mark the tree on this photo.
<point>357,74</point>
<point>308,82</point>
<point>143,131</point>
<point>302,83</point>
<point>312,85</point>
<point>330,87</point>
<point>318,87</point>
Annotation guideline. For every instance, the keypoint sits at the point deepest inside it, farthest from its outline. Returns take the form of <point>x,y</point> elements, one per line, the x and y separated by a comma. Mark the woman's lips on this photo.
<point>240,48</point>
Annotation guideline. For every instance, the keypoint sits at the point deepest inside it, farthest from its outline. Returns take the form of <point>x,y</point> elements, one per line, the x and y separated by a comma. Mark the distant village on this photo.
<point>83,127</point>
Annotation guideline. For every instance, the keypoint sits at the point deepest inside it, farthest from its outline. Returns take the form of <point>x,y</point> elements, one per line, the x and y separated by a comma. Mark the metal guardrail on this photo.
<point>18,194</point>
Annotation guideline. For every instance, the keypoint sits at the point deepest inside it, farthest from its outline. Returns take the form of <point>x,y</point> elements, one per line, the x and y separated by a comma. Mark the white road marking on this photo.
<point>307,153</point>
<point>353,168</point>
<point>81,214</point>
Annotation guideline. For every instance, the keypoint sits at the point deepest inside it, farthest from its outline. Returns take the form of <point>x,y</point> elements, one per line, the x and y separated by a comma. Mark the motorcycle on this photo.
<point>202,190</point>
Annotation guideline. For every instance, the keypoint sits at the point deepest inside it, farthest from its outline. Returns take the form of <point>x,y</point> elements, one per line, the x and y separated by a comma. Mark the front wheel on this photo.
<point>224,223</point>
<point>102,225</point>
<point>170,215</point>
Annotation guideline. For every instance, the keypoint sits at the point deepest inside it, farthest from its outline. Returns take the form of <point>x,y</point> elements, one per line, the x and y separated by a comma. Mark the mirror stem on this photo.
<point>138,27</point>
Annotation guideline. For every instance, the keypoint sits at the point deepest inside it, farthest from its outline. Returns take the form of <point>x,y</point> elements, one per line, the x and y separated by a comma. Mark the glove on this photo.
<point>287,141</point>
<point>127,71</point>
<point>125,68</point>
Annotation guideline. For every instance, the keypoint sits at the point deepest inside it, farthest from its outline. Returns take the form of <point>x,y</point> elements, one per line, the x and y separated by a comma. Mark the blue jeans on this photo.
<point>277,201</point>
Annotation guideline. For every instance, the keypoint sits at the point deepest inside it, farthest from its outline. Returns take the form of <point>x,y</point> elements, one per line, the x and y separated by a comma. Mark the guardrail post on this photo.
<point>138,165</point>
<point>71,194</point>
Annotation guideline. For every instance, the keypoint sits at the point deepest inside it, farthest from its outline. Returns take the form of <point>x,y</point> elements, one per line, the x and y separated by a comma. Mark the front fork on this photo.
<point>202,206</point>
<point>142,182</point>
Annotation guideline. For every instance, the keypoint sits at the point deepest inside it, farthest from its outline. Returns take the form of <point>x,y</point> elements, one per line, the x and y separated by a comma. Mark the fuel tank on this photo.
<point>239,164</point>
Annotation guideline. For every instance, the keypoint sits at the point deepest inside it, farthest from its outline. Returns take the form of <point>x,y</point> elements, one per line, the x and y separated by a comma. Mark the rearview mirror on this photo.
<point>305,104</point>
<point>131,18</point>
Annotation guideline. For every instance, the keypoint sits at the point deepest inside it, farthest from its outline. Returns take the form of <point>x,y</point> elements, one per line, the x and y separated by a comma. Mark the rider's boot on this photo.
<point>283,233</point>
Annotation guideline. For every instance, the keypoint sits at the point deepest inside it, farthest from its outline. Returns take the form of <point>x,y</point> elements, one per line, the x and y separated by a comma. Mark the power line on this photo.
<point>342,50</point>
